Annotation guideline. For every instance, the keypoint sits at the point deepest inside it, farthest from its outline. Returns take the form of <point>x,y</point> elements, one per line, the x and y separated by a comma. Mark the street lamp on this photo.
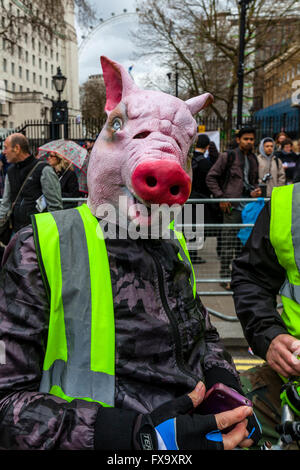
<point>59,107</point>
<point>240,74</point>
<point>169,75</point>
<point>59,82</point>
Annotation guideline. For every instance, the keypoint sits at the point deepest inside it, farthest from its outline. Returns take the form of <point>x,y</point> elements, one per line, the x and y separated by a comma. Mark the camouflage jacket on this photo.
<point>165,343</point>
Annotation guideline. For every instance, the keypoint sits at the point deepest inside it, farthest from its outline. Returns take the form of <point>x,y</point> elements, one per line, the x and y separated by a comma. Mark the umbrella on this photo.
<point>71,152</point>
<point>68,150</point>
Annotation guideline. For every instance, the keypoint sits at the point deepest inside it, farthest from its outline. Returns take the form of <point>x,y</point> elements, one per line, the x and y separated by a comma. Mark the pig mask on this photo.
<point>142,151</point>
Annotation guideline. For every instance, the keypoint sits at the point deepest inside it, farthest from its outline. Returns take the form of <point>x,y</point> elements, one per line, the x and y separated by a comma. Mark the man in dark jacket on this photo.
<point>201,165</point>
<point>234,175</point>
<point>257,278</point>
<point>289,159</point>
<point>43,181</point>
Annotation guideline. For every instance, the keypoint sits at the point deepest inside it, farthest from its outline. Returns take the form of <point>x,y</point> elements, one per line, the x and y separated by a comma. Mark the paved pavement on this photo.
<point>220,302</point>
<point>230,330</point>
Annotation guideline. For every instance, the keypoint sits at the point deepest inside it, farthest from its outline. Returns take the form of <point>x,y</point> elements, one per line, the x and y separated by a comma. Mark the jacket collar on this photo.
<point>25,162</point>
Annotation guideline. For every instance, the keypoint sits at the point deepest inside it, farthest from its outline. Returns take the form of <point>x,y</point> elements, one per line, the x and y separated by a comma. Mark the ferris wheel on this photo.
<point>114,20</point>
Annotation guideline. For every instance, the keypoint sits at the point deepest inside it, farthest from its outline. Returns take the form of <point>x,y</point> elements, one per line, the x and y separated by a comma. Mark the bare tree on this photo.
<point>46,18</point>
<point>202,36</point>
<point>93,98</point>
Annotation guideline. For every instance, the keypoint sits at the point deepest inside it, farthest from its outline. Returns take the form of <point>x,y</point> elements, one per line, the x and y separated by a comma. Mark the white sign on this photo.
<point>214,136</point>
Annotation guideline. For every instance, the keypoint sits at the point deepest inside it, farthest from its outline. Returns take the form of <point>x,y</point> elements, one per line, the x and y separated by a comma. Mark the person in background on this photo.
<point>43,182</point>
<point>279,139</point>
<point>3,170</point>
<point>288,158</point>
<point>234,175</point>
<point>67,177</point>
<point>213,152</point>
<point>89,144</point>
<point>200,166</point>
<point>270,169</point>
<point>296,146</point>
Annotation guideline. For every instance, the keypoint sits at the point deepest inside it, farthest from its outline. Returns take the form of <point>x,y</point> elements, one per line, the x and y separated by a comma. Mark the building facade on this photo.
<point>27,66</point>
<point>281,76</point>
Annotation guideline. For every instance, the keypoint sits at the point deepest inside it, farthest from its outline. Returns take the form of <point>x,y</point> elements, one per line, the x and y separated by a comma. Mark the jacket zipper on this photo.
<point>178,349</point>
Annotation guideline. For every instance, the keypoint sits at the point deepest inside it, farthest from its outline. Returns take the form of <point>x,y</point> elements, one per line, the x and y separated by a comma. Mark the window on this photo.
<point>20,72</point>
<point>40,63</point>
<point>4,65</point>
<point>13,86</point>
<point>12,68</point>
<point>26,56</point>
<point>33,43</point>
<point>46,82</point>
<point>34,77</point>
<point>46,66</point>
<point>21,88</point>
<point>41,80</point>
<point>27,75</point>
<point>26,38</point>
<point>19,52</point>
<point>33,59</point>
<point>57,57</point>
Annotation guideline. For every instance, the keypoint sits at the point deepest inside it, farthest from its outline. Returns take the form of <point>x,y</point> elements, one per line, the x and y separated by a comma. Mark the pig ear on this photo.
<point>199,102</point>
<point>117,81</point>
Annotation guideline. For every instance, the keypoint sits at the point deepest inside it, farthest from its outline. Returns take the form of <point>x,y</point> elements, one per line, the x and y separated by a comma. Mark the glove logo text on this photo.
<point>146,441</point>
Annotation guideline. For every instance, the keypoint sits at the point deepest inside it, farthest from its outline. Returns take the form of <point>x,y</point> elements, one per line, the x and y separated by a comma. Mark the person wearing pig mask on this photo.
<point>106,343</point>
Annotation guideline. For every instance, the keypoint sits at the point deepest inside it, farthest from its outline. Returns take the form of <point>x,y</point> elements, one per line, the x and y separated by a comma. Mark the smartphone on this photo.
<point>221,398</point>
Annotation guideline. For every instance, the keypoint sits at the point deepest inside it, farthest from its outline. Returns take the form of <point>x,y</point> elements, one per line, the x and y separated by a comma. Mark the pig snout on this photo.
<point>161,182</point>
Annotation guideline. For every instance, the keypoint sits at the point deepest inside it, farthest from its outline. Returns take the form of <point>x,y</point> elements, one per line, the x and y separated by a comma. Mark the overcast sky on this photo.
<point>112,39</point>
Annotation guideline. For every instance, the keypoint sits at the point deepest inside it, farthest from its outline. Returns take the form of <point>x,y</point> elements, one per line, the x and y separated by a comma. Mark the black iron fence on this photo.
<point>39,132</point>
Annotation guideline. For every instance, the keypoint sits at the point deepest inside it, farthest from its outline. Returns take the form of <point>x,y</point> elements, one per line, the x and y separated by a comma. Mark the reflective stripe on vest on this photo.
<point>285,238</point>
<point>183,255</point>
<point>80,355</point>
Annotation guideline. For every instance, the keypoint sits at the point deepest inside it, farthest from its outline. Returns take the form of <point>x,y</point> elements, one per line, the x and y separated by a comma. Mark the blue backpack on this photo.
<point>249,215</point>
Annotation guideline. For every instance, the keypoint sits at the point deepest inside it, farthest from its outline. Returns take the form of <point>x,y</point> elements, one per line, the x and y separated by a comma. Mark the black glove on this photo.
<point>171,427</point>
<point>254,428</point>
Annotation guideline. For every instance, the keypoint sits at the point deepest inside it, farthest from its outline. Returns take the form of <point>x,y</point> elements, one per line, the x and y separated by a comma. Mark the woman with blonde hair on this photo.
<point>67,177</point>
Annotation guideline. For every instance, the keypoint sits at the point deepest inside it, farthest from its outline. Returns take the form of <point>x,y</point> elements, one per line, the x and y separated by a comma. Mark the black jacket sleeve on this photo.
<point>256,279</point>
<point>69,185</point>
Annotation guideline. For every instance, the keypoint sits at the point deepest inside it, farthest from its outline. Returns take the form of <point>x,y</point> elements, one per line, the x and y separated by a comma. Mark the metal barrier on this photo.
<point>208,272</point>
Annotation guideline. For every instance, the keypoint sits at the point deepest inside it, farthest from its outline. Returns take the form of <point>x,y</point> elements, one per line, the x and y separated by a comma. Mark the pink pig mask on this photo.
<point>142,151</point>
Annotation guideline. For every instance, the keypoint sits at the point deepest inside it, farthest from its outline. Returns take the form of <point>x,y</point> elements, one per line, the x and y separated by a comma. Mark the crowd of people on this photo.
<point>32,183</point>
<point>239,172</point>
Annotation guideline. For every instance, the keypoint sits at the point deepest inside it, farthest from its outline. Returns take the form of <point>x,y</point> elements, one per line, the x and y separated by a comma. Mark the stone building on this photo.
<point>281,76</point>
<point>27,66</point>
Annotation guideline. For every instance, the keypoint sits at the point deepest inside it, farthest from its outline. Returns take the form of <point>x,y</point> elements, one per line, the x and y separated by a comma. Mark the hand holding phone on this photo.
<point>221,398</point>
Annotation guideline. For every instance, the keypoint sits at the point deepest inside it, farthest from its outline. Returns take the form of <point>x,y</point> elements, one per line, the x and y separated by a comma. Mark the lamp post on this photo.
<point>169,75</point>
<point>240,74</point>
<point>59,108</point>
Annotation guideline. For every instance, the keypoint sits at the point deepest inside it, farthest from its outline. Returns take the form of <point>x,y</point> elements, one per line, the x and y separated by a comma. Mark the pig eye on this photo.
<point>116,124</point>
